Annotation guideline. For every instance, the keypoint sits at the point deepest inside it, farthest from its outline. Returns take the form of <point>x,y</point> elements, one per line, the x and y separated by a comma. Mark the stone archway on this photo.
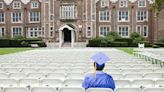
<point>66,34</point>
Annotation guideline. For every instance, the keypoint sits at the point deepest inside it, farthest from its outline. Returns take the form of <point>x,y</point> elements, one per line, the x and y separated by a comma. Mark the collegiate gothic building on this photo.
<point>77,21</point>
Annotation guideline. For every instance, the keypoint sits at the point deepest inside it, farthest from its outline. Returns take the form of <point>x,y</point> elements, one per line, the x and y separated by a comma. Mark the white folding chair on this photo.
<point>8,65</point>
<point>29,83</point>
<point>60,76</point>
<point>153,75</point>
<point>117,76</point>
<point>153,90</point>
<point>143,83</point>
<point>75,76</point>
<point>3,76</point>
<point>73,83</point>
<point>22,65</point>
<point>133,76</point>
<point>8,83</point>
<point>122,83</point>
<point>12,70</point>
<point>99,90</point>
<point>71,90</point>
<point>15,89</point>
<point>45,70</point>
<point>36,75</point>
<point>159,83</point>
<point>128,90</point>
<point>43,89</point>
<point>17,75</point>
<point>51,83</point>
<point>29,70</point>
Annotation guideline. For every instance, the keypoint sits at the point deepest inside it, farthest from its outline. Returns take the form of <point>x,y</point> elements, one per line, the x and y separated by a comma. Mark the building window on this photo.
<point>141,3</point>
<point>104,3</point>
<point>16,31</point>
<point>104,30</point>
<point>68,12</point>
<point>34,4</point>
<point>123,16</point>
<point>34,17</point>
<point>16,17</point>
<point>138,29</point>
<point>123,3</point>
<point>34,32</point>
<point>1,5</point>
<point>104,16</point>
<point>145,31</point>
<point>16,5</point>
<point>123,31</point>
<point>51,33</point>
<point>2,31</point>
<point>2,17</point>
<point>142,15</point>
<point>89,32</point>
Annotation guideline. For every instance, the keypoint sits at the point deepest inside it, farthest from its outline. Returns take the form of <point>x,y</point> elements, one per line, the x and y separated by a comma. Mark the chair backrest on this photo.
<point>122,83</point>
<point>51,83</point>
<point>17,75</point>
<point>159,83</point>
<point>43,89</point>
<point>8,83</point>
<point>153,90</point>
<point>99,90</point>
<point>60,76</point>
<point>117,76</point>
<point>153,75</point>
<point>71,90</point>
<point>143,83</point>
<point>15,89</point>
<point>3,75</point>
<point>128,90</point>
<point>73,83</point>
<point>29,82</point>
<point>133,76</point>
<point>29,70</point>
<point>36,75</point>
<point>75,76</point>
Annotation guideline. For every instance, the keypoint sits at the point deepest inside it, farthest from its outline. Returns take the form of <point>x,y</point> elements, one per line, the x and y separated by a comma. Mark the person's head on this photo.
<point>99,67</point>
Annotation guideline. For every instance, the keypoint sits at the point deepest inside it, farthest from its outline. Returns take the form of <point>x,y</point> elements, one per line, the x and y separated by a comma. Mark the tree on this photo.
<point>157,6</point>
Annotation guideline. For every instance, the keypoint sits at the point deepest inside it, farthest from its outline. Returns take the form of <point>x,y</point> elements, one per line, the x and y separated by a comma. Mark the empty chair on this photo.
<point>153,90</point>
<point>29,83</point>
<point>17,75</point>
<point>22,65</point>
<point>36,75</point>
<point>12,70</point>
<point>78,70</point>
<point>144,70</point>
<point>112,70</point>
<point>153,75</point>
<point>71,90</point>
<point>45,70</point>
<point>143,83</point>
<point>7,65</point>
<point>133,76</point>
<point>117,76</point>
<point>51,83</point>
<point>127,71</point>
<point>159,70</point>
<point>60,71</point>
<point>43,89</point>
<point>29,70</point>
<point>122,83</point>
<point>73,83</point>
<point>159,83</point>
<point>15,89</point>
<point>138,66</point>
<point>8,83</point>
<point>128,90</point>
<point>99,90</point>
<point>75,76</point>
<point>2,71</point>
<point>3,76</point>
<point>60,76</point>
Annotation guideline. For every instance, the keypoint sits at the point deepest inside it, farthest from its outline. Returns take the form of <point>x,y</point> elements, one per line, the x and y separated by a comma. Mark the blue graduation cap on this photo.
<point>100,59</point>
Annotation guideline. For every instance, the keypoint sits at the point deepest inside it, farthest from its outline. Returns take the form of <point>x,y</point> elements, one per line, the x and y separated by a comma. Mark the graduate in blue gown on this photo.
<point>99,79</point>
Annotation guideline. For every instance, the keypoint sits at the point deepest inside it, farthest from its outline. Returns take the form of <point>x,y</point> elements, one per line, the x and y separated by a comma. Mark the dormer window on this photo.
<point>1,5</point>
<point>141,3</point>
<point>17,5</point>
<point>34,4</point>
<point>123,3</point>
<point>104,3</point>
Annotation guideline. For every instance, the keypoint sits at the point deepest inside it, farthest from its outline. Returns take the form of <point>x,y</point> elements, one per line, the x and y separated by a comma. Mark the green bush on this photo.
<point>161,40</point>
<point>156,46</point>
<point>160,44</point>
<point>4,43</point>
<point>119,44</point>
<point>128,40</point>
<point>147,43</point>
<point>40,43</point>
<point>94,42</point>
<point>24,44</point>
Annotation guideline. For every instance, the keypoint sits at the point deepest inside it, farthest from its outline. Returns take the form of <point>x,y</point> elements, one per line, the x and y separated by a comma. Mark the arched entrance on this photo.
<point>67,35</point>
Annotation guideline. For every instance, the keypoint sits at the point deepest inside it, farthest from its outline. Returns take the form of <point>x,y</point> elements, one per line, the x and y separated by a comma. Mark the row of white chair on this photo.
<point>76,83</point>
<point>49,89</point>
<point>80,75</point>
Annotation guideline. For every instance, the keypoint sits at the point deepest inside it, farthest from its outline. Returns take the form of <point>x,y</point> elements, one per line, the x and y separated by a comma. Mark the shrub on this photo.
<point>113,35</point>
<point>24,44</point>
<point>160,44</point>
<point>17,37</point>
<point>161,40</point>
<point>4,43</point>
<point>128,40</point>
<point>95,42</point>
<point>156,46</point>
<point>147,43</point>
<point>40,43</point>
<point>119,44</point>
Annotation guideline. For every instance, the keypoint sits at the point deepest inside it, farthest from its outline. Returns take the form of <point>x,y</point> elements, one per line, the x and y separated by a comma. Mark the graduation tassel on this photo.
<point>95,71</point>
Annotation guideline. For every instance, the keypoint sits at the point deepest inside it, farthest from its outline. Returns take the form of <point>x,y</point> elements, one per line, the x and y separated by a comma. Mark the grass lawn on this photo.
<point>12,50</point>
<point>127,50</point>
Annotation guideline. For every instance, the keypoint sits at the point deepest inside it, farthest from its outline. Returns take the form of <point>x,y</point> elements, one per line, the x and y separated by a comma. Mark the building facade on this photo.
<point>77,21</point>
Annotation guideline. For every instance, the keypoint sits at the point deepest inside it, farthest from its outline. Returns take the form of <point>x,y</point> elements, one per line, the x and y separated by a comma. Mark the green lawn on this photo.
<point>127,50</point>
<point>12,50</point>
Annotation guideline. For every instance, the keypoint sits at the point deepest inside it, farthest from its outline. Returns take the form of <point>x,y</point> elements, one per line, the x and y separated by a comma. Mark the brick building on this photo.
<point>77,21</point>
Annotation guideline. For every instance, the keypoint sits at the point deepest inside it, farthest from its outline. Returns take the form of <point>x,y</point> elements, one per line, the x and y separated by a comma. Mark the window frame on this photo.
<point>123,3</point>
<point>118,14</point>
<point>2,5</point>
<point>139,2</point>
<point>35,3</point>
<point>13,5</point>
<point>4,18</point>
<point>144,20</point>
<point>17,17</point>
<point>104,3</point>
<point>147,31</point>
<point>34,17</point>
<point>105,16</point>
<point>1,35</point>
<point>109,26</point>
<point>121,30</point>
<point>140,29</point>
<point>12,35</point>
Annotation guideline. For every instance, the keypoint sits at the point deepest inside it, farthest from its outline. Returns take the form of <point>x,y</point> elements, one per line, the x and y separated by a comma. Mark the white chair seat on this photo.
<point>43,89</point>
<point>16,89</point>
<point>51,83</point>
<point>153,90</point>
<point>128,90</point>
<point>71,90</point>
<point>29,83</point>
<point>99,90</point>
